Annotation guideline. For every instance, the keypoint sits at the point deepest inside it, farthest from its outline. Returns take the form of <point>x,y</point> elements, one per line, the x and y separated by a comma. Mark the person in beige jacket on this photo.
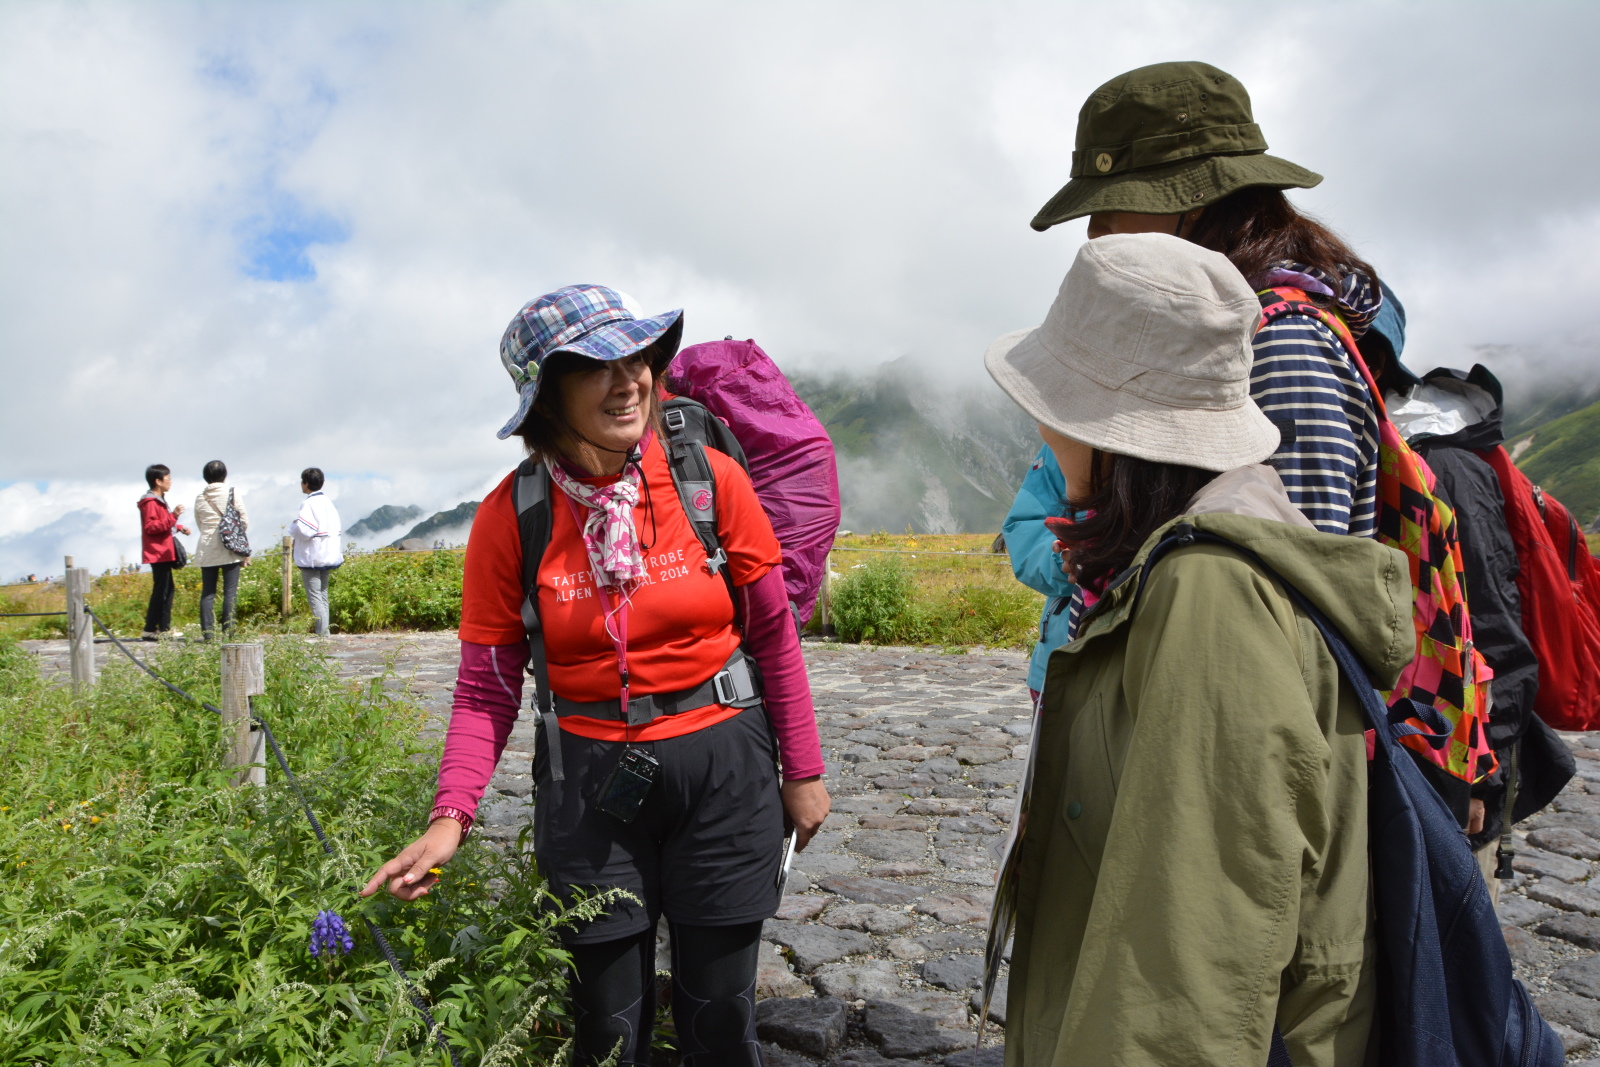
<point>211,555</point>
<point>1193,872</point>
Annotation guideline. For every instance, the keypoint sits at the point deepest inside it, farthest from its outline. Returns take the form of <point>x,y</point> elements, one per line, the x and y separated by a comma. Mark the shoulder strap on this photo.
<point>1387,723</point>
<point>688,417</point>
<point>696,484</point>
<point>530,496</point>
<point>1277,303</point>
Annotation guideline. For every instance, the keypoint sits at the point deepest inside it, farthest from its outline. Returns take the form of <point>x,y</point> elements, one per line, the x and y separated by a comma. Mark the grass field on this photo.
<point>936,589</point>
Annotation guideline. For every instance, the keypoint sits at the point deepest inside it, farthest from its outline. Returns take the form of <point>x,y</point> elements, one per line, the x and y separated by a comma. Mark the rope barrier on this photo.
<point>989,556</point>
<point>27,614</point>
<point>434,1029</point>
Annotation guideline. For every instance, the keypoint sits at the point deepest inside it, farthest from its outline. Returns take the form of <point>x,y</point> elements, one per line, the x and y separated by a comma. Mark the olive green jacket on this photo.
<point>1194,867</point>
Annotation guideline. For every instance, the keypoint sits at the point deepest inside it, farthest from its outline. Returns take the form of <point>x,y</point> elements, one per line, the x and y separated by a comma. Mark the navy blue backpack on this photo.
<point>1446,994</point>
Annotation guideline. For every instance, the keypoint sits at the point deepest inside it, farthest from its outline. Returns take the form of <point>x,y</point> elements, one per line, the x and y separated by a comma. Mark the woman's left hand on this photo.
<point>805,805</point>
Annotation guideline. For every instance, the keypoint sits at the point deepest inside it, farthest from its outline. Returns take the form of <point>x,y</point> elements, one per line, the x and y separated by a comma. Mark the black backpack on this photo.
<point>691,429</point>
<point>1446,993</point>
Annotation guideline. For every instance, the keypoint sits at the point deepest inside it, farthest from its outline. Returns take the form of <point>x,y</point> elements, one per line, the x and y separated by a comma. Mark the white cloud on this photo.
<point>847,183</point>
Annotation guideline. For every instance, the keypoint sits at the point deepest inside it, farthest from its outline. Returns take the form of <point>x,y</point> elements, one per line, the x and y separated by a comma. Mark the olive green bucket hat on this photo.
<point>1165,139</point>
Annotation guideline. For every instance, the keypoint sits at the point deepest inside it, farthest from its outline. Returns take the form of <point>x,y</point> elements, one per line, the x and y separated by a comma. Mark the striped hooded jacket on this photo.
<point>1304,382</point>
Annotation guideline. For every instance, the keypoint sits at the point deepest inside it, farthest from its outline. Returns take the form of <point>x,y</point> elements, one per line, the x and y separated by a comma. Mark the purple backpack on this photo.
<point>787,452</point>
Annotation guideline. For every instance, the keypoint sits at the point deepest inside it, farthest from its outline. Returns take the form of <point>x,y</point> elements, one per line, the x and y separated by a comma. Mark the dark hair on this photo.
<point>311,478</point>
<point>545,428</point>
<point>1257,228</point>
<point>1129,504</point>
<point>215,471</point>
<point>155,472</point>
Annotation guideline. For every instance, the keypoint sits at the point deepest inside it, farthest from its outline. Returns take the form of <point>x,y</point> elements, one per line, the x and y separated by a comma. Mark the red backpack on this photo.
<point>1560,586</point>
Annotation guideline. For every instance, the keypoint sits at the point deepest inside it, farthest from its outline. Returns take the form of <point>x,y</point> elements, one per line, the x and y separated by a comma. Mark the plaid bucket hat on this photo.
<point>586,320</point>
<point>1166,139</point>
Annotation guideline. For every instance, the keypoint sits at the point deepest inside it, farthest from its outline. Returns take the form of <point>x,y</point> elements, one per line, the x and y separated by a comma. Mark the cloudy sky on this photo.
<point>286,234</point>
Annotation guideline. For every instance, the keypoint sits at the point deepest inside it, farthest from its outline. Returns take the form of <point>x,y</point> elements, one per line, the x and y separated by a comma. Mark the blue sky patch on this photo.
<point>274,244</point>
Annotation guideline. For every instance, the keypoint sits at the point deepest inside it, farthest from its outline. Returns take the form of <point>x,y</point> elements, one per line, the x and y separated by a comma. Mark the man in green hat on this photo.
<point>1174,148</point>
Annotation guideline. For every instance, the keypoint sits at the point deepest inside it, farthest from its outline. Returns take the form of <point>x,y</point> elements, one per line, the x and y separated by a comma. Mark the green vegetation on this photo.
<point>892,591</point>
<point>940,589</point>
<point>1564,458</point>
<point>150,914</point>
<point>372,591</point>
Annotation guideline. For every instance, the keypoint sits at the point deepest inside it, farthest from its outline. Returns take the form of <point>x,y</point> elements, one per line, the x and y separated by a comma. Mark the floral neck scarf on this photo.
<point>608,531</point>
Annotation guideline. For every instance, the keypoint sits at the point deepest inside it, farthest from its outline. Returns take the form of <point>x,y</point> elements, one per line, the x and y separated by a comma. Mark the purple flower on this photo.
<point>329,934</point>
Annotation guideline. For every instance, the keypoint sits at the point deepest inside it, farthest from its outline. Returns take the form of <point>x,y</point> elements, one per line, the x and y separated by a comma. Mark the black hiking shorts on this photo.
<point>704,850</point>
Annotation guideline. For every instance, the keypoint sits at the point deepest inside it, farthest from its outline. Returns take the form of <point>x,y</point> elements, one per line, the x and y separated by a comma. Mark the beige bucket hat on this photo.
<point>1146,352</point>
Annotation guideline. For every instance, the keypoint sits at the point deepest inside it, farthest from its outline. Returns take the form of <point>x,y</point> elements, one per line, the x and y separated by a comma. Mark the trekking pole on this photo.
<point>1506,852</point>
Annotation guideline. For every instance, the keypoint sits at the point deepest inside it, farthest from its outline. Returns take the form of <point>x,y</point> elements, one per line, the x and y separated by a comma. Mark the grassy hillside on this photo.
<point>1564,458</point>
<point>914,453</point>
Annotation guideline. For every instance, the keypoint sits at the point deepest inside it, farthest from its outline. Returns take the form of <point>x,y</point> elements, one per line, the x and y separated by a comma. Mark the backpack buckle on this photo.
<point>722,685</point>
<point>715,563</point>
<point>675,421</point>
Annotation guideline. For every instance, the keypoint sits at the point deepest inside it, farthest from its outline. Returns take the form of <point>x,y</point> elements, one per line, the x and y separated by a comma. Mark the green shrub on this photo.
<point>881,602</point>
<point>994,615</point>
<point>874,603</point>
<point>151,914</point>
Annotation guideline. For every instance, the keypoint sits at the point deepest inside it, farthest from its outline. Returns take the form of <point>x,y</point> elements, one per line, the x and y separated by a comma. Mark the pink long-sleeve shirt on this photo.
<point>489,694</point>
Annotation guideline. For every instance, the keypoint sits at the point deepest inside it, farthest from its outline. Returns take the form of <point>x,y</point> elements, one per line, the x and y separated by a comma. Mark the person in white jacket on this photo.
<point>317,553</point>
<point>212,556</point>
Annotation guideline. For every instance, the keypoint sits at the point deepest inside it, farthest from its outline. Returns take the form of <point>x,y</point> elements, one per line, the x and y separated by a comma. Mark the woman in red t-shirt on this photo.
<point>654,769</point>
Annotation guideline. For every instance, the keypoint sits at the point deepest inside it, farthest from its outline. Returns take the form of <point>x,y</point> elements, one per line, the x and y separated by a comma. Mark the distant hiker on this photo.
<point>164,552</point>
<point>212,553</point>
<point>1194,873</point>
<point>1173,148</point>
<point>654,764</point>
<point>1450,416</point>
<point>317,552</point>
<point>1035,561</point>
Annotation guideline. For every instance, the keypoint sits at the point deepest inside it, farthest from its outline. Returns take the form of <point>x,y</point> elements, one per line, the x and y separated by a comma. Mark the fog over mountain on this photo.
<point>291,234</point>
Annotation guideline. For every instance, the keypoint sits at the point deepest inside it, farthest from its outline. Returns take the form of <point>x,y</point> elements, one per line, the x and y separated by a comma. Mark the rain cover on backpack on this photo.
<point>790,455</point>
<point>1448,673</point>
<point>1560,585</point>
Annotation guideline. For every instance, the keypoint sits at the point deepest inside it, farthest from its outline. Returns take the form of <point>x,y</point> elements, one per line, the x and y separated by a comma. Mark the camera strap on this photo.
<point>615,621</point>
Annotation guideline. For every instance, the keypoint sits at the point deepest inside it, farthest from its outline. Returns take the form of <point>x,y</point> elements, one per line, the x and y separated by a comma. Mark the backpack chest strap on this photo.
<point>734,686</point>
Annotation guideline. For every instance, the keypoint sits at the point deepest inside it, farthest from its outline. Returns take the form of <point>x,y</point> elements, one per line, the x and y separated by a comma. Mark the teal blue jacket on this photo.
<point>1036,565</point>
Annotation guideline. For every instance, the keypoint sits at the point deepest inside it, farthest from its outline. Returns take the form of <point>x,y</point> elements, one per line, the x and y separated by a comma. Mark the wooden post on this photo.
<point>80,628</point>
<point>824,593</point>
<point>243,676</point>
<point>288,569</point>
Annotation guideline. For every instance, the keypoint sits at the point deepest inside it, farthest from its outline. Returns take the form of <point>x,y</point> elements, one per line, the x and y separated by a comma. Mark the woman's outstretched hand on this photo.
<point>805,805</point>
<point>408,875</point>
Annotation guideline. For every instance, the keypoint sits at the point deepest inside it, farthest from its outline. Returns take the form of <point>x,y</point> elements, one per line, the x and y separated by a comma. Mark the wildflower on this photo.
<point>94,819</point>
<point>436,871</point>
<point>65,825</point>
<point>83,803</point>
<point>329,934</point>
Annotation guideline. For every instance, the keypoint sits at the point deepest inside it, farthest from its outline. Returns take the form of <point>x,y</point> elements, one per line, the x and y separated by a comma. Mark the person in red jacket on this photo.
<point>654,764</point>
<point>157,522</point>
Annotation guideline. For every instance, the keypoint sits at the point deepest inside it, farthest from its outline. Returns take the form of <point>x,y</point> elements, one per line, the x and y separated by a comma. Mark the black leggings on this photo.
<point>208,596</point>
<point>713,996</point>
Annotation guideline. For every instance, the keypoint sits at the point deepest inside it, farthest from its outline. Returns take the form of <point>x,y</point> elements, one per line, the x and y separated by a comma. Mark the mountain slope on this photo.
<point>1563,457</point>
<point>911,452</point>
<point>456,521</point>
<point>385,518</point>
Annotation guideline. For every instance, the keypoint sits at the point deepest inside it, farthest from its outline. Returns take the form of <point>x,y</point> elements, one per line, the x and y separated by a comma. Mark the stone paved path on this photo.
<point>875,952</point>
